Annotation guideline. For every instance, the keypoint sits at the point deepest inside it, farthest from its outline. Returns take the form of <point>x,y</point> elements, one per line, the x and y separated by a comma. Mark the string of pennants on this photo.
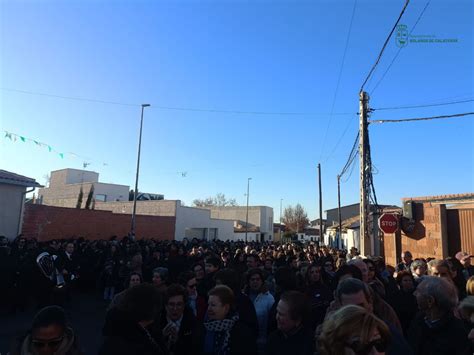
<point>86,161</point>
<point>20,138</point>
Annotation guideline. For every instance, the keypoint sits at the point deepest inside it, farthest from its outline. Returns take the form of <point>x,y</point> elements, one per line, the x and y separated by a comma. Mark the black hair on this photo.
<point>48,316</point>
<point>142,302</point>
<point>298,304</point>
<point>285,279</point>
<point>213,261</point>
<point>228,277</point>
<point>185,276</point>
<point>352,270</point>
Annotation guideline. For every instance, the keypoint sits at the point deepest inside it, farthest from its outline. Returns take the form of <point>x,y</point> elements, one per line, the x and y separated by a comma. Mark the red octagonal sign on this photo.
<point>388,223</point>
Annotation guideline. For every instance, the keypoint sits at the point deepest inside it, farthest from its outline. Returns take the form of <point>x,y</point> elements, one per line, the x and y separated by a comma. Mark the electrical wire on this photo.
<point>421,106</point>
<point>399,49</point>
<point>422,118</point>
<point>338,79</point>
<point>241,112</point>
<point>384,46</point>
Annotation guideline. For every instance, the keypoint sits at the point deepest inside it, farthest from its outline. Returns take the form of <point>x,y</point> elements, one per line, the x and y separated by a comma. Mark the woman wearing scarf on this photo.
<point>223,333</point>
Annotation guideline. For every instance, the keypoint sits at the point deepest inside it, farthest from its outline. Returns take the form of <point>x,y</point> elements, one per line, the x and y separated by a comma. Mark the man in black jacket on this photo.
<point>436,331</point>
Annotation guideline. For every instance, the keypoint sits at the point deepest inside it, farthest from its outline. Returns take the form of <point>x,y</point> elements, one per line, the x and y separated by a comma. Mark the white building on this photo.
<point>12,199</point>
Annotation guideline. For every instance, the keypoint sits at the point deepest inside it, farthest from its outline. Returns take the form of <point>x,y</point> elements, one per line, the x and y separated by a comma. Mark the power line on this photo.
<point>420,106</point>
<point>352,155</point>
<point>422,118</point>
<point>338,78</point>
<point>177,108</point>
<point>399,49</point>
<point>384,46</point>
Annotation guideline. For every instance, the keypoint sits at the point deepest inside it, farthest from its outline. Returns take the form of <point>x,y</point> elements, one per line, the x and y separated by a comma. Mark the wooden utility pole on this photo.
<point>339,207</point>
<point>321,236</point>
<point>364,200</point>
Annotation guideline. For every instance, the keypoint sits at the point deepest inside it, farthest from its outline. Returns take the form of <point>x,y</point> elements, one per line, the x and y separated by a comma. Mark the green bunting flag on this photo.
<point>23,139</point>
<point>61,155</point>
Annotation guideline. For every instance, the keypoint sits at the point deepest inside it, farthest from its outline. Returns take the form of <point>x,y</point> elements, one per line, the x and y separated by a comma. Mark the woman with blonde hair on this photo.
<point>353,330</point>
<point>470,286</point>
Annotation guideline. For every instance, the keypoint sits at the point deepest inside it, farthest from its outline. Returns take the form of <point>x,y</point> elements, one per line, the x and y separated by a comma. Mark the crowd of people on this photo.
<point>232,298</point>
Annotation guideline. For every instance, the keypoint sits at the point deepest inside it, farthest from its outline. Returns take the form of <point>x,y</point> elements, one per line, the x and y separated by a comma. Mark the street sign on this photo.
<point>388,223</point>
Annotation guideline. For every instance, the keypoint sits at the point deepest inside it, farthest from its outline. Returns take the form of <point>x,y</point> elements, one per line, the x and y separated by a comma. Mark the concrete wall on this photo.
<point>347,212</point>
<point>191,221</point>
<point>47,222</point>
<point>150,208</point>
<point>72,176</point>
<point>11,202</point>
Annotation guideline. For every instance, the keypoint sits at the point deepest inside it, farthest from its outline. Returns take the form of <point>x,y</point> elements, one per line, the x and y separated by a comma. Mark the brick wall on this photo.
<point>47,222</point>
<point>427,238</point>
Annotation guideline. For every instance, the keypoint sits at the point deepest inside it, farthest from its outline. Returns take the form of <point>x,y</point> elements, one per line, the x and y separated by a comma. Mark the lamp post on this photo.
<point>132,231</point>
<point>247,214</point>
<point>281,201</point>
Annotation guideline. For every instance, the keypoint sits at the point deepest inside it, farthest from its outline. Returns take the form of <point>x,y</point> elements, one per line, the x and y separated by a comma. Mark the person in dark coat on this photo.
<point>292,336</point>
<point>223,333</point>
<point>178,323</point>
<point>243,304</point>
<point>319,295</point>
<point>126,330</point>
<point>404,303</point>
<point>435,331</point>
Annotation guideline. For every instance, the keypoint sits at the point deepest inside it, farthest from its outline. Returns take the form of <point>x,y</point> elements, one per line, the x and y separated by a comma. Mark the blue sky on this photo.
<point>270,56</point>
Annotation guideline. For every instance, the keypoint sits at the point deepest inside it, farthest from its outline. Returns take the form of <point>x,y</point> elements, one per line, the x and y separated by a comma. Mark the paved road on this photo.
<point>86,316</point>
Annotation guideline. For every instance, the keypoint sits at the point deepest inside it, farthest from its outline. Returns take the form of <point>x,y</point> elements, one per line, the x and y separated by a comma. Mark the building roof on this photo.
<point>442,198</point>
<point>10,178</point>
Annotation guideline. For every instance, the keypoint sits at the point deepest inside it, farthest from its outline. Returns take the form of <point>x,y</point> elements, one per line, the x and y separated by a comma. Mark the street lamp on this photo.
<point>132,231</point>
<point>247,215</point>
<point>281,201</point>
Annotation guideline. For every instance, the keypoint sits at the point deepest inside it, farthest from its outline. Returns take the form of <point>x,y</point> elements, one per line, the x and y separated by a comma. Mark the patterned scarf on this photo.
<point>222,329</point>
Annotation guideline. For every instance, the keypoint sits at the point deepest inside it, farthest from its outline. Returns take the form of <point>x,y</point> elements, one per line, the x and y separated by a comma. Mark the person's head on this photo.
<point>228,277</point>
<point>291,310</point>
<point>252,261</point>
<point>346,272</point>
<point>470,286</point>
<point>440,268</point>
<point>371,269</point>
<point>198,270</point>
<point>418,267</point>
<point>220,302</point>
<point>255,280</point>
<point>175,302</point>
<point>313,274</point>
<point>141,303</point>
<point>134,279</point>
<point>353,330</point>
<point>48,330</point>
<point>436,296</point>
<point>212,264</point>
<point>464,258</point>
<point>160,276</point>
<point>285,279</point>
<point>292,262</point>
<point>70,248</point>
<point>355,292</point>
<point>268,265</point>
<point>188,280</point>
<point>407,257</point>
<point>359,263</point>
<point>405,281</point>
<point>467,310</point>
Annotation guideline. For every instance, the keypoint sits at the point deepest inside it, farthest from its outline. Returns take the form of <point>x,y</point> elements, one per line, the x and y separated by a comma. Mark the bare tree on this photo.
<point>219,200</point>
<point>295,218</point>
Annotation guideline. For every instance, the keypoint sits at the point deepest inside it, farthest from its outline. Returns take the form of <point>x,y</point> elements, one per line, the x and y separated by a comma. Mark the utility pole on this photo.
<point>321,237</point>
<point>247,215</point>
<point>364,200</point>
<point>339,207</point>
<point>132,230</point>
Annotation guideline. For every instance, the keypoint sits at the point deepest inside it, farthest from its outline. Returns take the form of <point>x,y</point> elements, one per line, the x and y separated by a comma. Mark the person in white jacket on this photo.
<point>263,300</point>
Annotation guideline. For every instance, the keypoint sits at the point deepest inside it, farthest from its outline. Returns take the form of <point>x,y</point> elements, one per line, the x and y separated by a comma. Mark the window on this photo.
<point>101,198</point>
<point>302,237</point>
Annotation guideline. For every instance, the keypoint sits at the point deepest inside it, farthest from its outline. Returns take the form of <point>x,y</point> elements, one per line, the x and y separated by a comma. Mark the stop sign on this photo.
<point>388,223</point>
